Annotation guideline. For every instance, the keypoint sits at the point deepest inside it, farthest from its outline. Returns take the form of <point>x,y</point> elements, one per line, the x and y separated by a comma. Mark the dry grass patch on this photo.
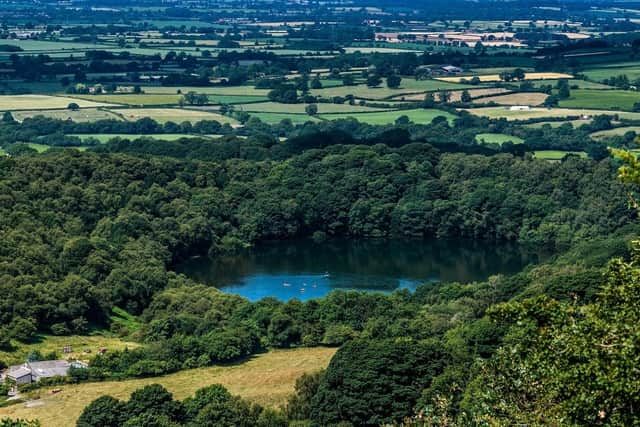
<point>266,379</point>
<point>177,115</point>
<point>522,98</point>
<point>42,102</point>
<point>456,94</point>
<point>496,77</point>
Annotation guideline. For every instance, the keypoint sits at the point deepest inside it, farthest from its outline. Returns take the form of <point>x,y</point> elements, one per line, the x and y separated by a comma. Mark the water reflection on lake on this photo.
<point>305,269</point>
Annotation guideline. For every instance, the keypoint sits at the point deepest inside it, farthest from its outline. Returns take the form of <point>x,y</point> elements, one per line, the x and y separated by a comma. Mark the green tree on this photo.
<point>105,411</point>
<point>374,80</point>
<point>465,96</point>
<point>393,81</point>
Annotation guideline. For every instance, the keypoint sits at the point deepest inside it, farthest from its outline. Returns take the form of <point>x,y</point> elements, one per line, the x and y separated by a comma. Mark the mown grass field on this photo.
<point>630,69</point>
<point>419,116</point>
<point>582,84</point>
<point>553,124</point>
<point>83,115</point>
<point>42,102</point>
<point>498,138</point>
<point>133,99</point>
<point>522,98</point>
<point>556,155</point>
<point>456,94</point>
<point>540,113</point>
<point>177,115</point>
<point>606,100</point>
<point>266,379</point>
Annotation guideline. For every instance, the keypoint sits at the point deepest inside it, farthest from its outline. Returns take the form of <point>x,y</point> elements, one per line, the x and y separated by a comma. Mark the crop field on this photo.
<point>42,102</point>
<point>266,379</point>
<point>539,113</point>
<point>615,132</point>
<point>236,99</point>
<point>83,115</point>
<point>556,155</point>
<point>498,138</point>
<point>522,98</point>
<point>162,115</point>
<point>496,77</point>
<point>133,99</point>
<point>610,99</point>
<point>388,117</point>
<point>274,107</point>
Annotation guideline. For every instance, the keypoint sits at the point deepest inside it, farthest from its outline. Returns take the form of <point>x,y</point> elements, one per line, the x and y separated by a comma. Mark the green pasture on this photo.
<point>419,116</point>
<point>105,137</point>
<point>556,155</point>
<point>274,107</point>
<point>599,99</point>
<point>615,132</point>
<point>275,118</point>
<point>407,86</point>
<point>498,138</point>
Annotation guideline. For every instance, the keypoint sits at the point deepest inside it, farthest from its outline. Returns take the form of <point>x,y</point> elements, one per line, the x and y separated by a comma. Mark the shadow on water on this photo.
<point>306,269</point>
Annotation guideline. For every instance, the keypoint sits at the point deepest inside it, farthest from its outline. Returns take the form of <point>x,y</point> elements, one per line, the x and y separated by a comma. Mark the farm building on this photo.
<point>34,371</point>
<point>451,69</point>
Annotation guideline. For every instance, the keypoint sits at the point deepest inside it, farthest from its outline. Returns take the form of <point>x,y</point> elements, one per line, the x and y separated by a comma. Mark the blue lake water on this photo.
<point>305,269</point>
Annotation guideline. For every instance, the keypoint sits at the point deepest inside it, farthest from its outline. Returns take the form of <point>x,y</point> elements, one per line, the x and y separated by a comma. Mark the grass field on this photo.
<point>537,113</point>
<point>582,84</point>
<point>522,98</point>
<point>266,379</point>
<point>133,99</point>
<point>83,115</point>
<point>274,107</point>
<point>498,138</point>
<point>275,118</point>
<point>556,155</point>
<point>456,94</point>
<point>420,116</point>
<point>606,100</point>
<point>51,343</point>
<point>496,77</point>
<point>408,86</point>
<point>631,70</point>
<point>105,137</point>
<point>42,102</point>
<point>553,124</point>
<point>615,132</point>
<point>162,115</point>
<point>212,90</point>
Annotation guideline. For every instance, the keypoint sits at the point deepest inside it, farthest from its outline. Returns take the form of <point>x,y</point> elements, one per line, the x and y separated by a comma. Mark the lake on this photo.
<point>305,269</point>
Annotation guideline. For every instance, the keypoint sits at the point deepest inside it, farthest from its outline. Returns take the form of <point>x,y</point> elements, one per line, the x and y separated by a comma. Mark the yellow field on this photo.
<point>266,379</point>
<point>41,102</point>
<point>522,98</point>
<point>496,77</point>
<point>162,115</point>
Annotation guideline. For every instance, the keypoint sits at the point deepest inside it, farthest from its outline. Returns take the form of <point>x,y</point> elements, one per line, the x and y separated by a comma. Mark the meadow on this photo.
<point>556,155</point>
<point>82,115</point>
<point>602,72</point>
<point>133,99</point>
<point>42,102</point>
<point>266,379</point>
<point>274,107</point>
<point>105,137</point>
<point>522,98</point>
<point>606,100</point>
<point>177,115</point>
<point>275,118</point>
<point>419,116</point>
<point>615,132</point>
<point>407,86</point>
<point>497,138</point>
<point>539,113</point>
